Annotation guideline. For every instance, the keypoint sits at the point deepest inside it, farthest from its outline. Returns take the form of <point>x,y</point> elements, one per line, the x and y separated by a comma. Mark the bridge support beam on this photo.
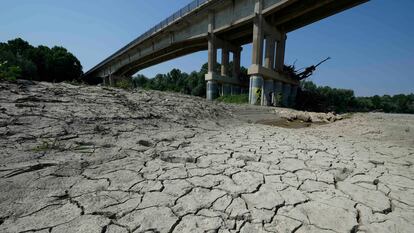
<point>268,88</point>
<point>225,87</point>
<point>280,53</point>
<point>212,90</point>
<point>111,81</point>
<point>256,80</point>
<point>236,63</point>
<point>286,97</point>
<point>108,80</point>
<point>278,89</point>
<point>227,82</point>
<point>235,90</point>
<point>293,93</point>
<point>268,80</point>
<point>255,90</point>
<point>212,85</point>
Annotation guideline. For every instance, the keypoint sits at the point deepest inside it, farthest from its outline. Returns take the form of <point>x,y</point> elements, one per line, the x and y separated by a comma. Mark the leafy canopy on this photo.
<point>20,60</point>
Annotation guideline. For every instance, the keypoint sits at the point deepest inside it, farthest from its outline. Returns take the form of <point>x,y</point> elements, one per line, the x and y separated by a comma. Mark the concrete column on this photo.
<point>111,81</point>
<point>255,90</point>
<point>225,62</point>
<point>256,81</point>
<point>212,86</point>
<point>280,53</point>
<point>258,35</point>
<point>270,53</point>
<point>278,90</point>
<point>212,50</point>
<point>293,93</point>
<point>268,87</point>
<point>236,63</point>
<point>267,92</point>
<point>226,89</point>
<point>235,90</point>
<point>212,90</point>
<point>250,88</point>
<point>286,95</point>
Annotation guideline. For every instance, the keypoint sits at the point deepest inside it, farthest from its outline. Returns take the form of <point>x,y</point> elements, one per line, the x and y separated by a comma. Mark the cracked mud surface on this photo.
<point>91,159</point>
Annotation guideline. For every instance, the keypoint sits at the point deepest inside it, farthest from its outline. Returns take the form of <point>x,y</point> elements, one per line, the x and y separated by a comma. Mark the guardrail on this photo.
<point>173,18</point>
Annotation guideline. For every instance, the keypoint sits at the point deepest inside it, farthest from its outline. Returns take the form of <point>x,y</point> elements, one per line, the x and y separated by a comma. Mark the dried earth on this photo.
<point>93,159</point>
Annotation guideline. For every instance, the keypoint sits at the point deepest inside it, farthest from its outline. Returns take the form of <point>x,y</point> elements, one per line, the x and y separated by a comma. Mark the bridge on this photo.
<point>226,25</point>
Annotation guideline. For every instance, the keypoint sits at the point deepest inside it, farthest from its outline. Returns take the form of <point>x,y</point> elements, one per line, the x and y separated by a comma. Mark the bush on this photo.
<point>234,99</point>
<point>124,84</point>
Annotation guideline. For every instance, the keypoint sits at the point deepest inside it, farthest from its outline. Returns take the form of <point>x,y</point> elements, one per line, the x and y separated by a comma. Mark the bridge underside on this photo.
<point>228,25</point>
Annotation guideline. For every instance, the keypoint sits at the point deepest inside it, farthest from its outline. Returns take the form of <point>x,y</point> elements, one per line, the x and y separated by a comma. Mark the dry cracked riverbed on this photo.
<point>92,159</point>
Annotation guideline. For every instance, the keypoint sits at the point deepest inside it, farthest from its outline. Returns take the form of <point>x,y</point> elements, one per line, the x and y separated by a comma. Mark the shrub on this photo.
<point>234,99</point>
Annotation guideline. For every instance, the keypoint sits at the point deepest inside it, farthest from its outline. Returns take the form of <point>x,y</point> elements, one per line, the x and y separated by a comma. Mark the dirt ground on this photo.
<point>95,159</point>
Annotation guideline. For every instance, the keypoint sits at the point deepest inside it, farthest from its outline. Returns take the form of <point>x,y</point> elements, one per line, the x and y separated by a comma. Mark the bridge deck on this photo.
<point>185,31</point>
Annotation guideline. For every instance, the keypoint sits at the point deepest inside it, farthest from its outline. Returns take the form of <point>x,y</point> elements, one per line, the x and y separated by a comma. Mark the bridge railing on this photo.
<point>174,17</point>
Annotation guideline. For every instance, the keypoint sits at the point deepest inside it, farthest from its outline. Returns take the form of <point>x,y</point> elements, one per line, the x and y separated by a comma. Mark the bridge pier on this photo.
<point>111,80</point>
<point>278,88</point>
<point>268,88</point>
<point>104,82</point>
<point>235,90</point>
<point>286,95</point>
<point>292,97</point>
<point>212,90</point>
<point>227,82</point>
<point>268,82</point>
<point>108,80</point>
<point>268,79</point>
<point>255,90</point>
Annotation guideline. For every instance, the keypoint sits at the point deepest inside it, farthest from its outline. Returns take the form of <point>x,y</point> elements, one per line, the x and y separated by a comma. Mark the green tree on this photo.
<point>40,63</point>
<point>9,73</point>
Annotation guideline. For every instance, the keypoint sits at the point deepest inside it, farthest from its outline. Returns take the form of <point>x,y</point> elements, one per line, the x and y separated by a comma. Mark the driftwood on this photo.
<point>308,71</point>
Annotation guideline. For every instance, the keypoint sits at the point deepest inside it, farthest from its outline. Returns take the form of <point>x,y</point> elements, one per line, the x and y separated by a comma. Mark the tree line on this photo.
<point>310,96</point>
<point>20,60</point>
<point>326,99</point>
<point>178,81</point>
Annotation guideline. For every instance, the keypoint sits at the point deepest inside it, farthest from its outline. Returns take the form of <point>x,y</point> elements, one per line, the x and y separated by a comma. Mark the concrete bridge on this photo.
<point>227,25</point>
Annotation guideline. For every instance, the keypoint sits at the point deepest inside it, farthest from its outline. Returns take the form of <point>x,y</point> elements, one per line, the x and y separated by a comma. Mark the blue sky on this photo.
<point>372,45</point>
